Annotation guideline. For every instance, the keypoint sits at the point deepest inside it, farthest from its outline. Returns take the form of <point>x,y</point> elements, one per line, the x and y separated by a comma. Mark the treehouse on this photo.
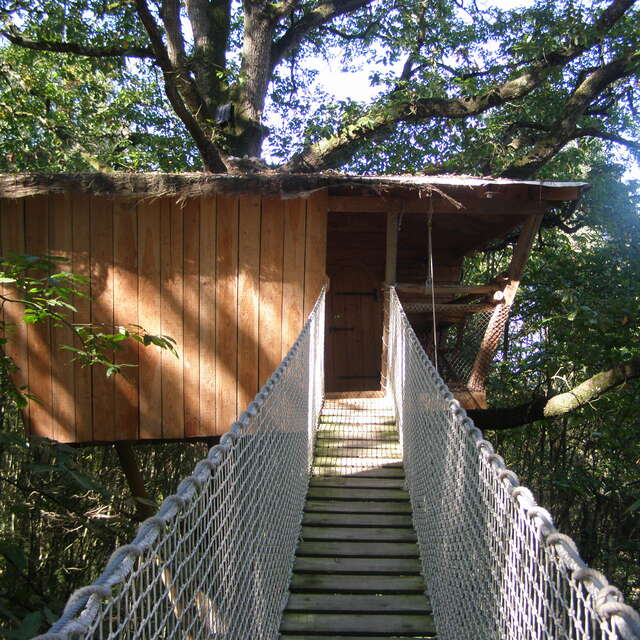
<point>230,267</point>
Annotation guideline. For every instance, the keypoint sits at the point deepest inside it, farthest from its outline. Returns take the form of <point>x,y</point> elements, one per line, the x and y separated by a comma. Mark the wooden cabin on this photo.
<point>230,266</point>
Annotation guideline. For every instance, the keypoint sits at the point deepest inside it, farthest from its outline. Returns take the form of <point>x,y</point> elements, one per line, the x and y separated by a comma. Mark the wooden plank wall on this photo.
<point>231,279</point>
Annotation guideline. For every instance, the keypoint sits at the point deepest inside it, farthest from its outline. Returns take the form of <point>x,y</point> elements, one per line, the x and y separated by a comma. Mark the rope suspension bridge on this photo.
<point>350,519</point>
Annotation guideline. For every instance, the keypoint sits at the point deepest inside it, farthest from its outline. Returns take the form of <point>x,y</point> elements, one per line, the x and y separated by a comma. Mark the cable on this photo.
<point>431,282</point>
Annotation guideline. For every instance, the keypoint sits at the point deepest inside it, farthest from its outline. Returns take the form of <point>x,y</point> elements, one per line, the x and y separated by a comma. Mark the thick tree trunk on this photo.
<point>255,74</point>
<point>144,505</point>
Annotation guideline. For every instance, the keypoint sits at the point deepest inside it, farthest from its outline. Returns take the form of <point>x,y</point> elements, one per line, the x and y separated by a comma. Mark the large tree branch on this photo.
<point>57,46</point>
<point>183,99</point>
<point>560,404</point>
<point>324,13</point>
<point>565,127</point>
<point>398,107</point>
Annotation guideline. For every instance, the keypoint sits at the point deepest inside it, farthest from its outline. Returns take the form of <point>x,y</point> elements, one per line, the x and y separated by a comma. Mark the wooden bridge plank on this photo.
<point>358,449</point>
<point>345,583</point>
<point>357,482</point>
<point>364,566</point>
<point>357,519</point>
<point>347,493</point>
<point>333,636</point>
<point>357,463</point>
<point>343,548</point>
<point>395,534</point>
<point>358,623</point>
<point>359,438</point>
<point>374,603</point>
<point>345,506</point>
<point>372,471</point>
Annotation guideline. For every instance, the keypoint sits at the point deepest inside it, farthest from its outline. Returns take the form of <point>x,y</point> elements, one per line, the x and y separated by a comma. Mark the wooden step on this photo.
<point>375,603</point>
<point>375,471</point>
<point>353,463</point>
<point>342,548</point>
<point>333,636</point>
<point>358,506</point>
<point>349,623</point>
<point>359,438</point>
<point>359,482</point>
<point>388,534</point>
<point>357,519</point>
<point>340,450</point>
<point>341,418</point>
<point>348,493</point>
<point>345,583</point>
<point>364,566</point>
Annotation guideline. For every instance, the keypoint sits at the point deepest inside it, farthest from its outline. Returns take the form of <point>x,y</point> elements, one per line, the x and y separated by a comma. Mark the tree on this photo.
<point>477,90</point>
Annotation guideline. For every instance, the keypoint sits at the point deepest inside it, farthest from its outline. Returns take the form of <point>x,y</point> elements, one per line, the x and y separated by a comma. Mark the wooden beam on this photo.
<point>427,307</point>
<point>501,314</point>
<point>475,206</point>
<point>441,289</point>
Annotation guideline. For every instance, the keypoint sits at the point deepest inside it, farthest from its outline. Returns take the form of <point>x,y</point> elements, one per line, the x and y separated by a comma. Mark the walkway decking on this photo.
<point>357,573</point>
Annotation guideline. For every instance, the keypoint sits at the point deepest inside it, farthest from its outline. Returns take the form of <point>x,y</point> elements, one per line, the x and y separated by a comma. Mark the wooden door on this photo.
<point>354,329</point>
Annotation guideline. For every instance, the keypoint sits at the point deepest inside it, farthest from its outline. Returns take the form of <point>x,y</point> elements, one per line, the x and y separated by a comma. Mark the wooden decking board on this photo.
<point>332,636</point>
<point>382,534</point>
<point>343,548</point>
<point>357,519</point>
<point>353,603</point>
<point>323,471</point>
<point>357,622</point>
<point>348,493</point>
<point>350,584</point>
<point>357,568</point>
<point>355,463</point>
<point>357,506</point>
<point>359,482</point>
<point>363,566</point>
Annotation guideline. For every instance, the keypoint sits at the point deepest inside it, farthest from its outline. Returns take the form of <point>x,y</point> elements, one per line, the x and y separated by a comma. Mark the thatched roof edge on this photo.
<point>191,185</point>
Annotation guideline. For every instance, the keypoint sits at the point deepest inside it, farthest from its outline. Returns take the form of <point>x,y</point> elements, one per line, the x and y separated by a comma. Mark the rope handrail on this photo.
<point>240,514</point>
<point>495,565</point>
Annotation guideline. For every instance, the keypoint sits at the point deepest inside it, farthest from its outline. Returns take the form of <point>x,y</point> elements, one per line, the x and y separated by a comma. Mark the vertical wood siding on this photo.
<point>231,279</point>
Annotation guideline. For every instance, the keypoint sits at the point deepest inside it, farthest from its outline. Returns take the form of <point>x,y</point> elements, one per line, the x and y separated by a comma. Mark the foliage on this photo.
<point>458,86</point>
<point>56,499</point>
<point>63,511</point>
<point>46,294</point>
<point>576,315</point>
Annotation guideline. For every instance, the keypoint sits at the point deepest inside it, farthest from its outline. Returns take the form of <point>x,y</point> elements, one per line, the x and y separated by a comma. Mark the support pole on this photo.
<point>493,334</point>
<point>393,217</point>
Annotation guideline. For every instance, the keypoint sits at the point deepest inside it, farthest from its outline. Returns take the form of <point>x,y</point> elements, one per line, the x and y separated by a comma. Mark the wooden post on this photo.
<point>393,217</point>
<point>500,315</point>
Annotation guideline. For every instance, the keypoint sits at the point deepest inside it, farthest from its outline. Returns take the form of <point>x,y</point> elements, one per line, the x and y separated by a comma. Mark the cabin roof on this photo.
<point>188,185</point>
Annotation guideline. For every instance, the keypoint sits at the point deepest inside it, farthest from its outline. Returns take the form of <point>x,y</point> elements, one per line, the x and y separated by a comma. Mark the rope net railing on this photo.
<point>494,564</point>
<point>216,560</point>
